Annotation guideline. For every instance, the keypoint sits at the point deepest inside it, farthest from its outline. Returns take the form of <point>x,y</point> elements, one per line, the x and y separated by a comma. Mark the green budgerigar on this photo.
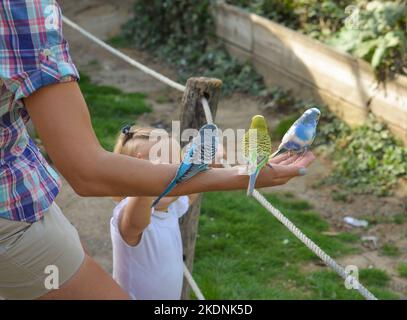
<point>256,149</point>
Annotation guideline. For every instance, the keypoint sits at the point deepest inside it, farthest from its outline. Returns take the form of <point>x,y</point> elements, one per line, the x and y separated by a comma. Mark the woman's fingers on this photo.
<point>299,160</point>
<point>291,159</point>
<point>305,160</point>
<point>279,158</point>
<point>283,168</point>
<point>292,166</point>
<point>287,171</point>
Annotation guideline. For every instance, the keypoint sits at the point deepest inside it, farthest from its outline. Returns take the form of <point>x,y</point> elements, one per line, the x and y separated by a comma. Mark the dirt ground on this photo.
<point>91,215</point>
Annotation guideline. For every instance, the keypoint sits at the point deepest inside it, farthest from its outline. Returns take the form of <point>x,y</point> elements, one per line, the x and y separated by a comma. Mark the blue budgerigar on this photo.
<point>197,158</point>
<point>301,134</point>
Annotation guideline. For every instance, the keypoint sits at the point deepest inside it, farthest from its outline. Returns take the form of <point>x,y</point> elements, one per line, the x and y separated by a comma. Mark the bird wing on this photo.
<point>192,171</point>
<point>201,153</point>
<point>206,144</point>
<point>289,134</point>
<point>252,160</point>
<point>303,132</point>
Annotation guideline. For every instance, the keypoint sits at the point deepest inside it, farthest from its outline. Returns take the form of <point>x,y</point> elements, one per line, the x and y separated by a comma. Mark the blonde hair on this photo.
<point>130,141</point>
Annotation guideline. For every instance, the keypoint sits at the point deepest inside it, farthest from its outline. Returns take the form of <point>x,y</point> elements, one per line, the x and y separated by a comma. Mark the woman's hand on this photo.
<point>285,167</point>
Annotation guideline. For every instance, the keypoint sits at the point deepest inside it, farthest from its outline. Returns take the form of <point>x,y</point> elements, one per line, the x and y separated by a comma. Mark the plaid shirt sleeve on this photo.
<point>33,52</point>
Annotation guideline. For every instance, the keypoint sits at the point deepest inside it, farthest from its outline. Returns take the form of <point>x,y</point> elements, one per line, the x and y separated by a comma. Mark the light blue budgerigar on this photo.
<point>197,158</point>
<point>301,134</point>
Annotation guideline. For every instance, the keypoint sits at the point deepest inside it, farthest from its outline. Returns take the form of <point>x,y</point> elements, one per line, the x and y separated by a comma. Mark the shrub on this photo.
<point>181,33</point>
<point>370,30</point>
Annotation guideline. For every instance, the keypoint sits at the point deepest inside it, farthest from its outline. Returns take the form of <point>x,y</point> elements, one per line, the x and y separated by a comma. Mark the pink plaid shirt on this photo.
<point>33,54</point>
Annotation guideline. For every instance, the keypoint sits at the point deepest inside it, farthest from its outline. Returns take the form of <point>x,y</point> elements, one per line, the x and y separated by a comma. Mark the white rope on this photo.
<point>207,110</point>
<point>124,57</point>
<point>193,284</point>
<point>313,246</point>
<point>260,198</point>
<point>310,244</point>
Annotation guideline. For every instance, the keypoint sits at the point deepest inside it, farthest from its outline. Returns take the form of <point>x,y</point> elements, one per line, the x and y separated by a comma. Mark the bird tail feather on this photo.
<point>164,193</point>
<point>252,182</point>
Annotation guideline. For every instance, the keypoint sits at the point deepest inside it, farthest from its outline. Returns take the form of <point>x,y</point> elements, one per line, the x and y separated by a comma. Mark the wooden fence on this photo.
<point>312,69</point>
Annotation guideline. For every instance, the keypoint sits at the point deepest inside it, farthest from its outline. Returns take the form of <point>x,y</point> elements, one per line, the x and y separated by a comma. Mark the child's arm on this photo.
<point>134,219</point>
<point>165,203</point>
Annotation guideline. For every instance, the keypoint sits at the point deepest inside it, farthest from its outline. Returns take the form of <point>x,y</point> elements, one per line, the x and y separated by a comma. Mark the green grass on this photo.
<point>328,285</point>
<point>402,269</point>
<point>399,218</point>
<point>374,277</point>
<point>244,253</point>
<point>390,250</point>
<point>118,41</point>
<point>111,108</point>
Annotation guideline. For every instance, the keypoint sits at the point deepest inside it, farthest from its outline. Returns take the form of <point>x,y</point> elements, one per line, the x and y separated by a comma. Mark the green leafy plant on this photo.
<point>371,30</point>
<point>402,269</point>
<point>377,35</point>
<point>281,11</point>
<point>181,33</point>
<point>282,127</point>
<point>390,250</point>
<point>367,159</point>
<point>399,218</point>
<point>315,18</point>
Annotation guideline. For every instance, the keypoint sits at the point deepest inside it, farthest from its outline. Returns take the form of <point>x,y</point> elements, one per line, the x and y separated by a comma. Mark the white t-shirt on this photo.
<point>153,269</point>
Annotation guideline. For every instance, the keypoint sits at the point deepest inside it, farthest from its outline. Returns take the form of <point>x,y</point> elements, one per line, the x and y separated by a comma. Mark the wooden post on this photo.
<point>193,116</point>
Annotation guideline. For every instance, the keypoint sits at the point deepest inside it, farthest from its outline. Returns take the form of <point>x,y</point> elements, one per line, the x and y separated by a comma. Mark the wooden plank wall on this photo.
<point>312,69</point>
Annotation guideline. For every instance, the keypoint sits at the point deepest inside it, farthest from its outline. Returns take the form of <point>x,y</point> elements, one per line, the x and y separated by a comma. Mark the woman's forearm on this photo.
<point>118,175</point>
<point>62,120</point>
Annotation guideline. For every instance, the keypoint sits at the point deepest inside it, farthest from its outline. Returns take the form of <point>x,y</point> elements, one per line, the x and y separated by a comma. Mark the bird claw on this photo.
<point>304,151</point>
